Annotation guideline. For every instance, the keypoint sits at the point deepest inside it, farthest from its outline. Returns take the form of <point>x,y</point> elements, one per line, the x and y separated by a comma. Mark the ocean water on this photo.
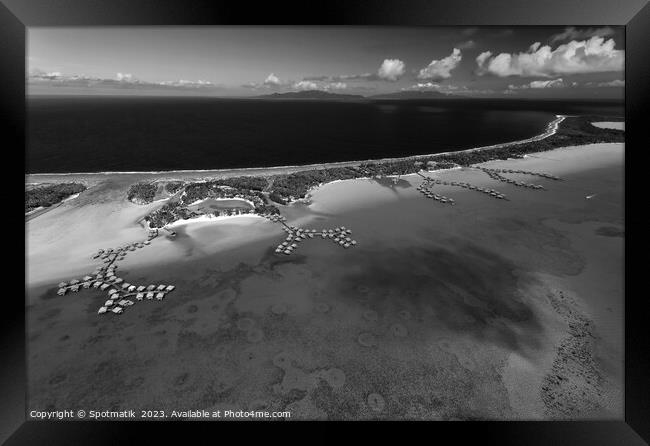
<point>101,134</point>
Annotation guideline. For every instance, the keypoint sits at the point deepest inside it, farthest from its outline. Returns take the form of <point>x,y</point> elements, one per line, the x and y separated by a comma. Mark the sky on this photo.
<point>525,62</point>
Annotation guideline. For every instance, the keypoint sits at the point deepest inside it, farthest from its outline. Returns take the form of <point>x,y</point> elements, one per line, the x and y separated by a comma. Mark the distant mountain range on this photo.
<point>310,94</point>
<point>318,94</point>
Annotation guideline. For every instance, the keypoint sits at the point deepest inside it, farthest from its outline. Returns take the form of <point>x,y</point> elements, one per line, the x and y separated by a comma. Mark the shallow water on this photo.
<point>416,322</point>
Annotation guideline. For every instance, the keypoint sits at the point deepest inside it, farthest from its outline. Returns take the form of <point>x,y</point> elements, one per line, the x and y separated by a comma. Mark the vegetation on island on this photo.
<point>142,193</point>
<point>174,186</point>
<point>46,196</point>
<point>285,188</point>
<point>247,188</point>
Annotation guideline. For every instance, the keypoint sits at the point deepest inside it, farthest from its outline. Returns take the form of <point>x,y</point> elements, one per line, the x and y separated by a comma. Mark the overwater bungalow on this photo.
<point>102,310</point>
<point>104,286</point>
<point>117,310</point>
<point>151,287</point>
<point>131,288</point>
<point>141,288</point>
<point>160,296</point>
<point>61,291</point>
<point>108,303</point>
<point>97,284</point>
<point>149,295</point>
<point>170,288</point>
<point>139,296</point>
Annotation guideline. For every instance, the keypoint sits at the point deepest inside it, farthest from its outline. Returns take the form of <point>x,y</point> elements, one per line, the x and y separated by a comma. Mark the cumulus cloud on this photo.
<point>573,33</point>
<point>441,69</point>
<point>434,86</point>
<point>585,56</point>
<point>423,86</point>
<point>273,80</point>
<point>305,85</point>
<point>553,83</point>
<point>189,84</point>
<point>324,86</point>
<point>391,69</point>
<point>37,73</point>
<point>336,86</point>
<point>125,77</point>
<point>588,56</point>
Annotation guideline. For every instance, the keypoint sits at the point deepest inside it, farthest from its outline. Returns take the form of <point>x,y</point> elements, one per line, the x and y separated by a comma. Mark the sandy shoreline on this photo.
<point>610,125</point>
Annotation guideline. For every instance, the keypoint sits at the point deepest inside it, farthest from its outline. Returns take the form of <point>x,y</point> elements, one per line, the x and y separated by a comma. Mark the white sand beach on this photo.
<point>610,125</point>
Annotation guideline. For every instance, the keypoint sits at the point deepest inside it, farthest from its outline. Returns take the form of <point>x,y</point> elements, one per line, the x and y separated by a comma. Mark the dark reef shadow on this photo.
<point>470,290</point>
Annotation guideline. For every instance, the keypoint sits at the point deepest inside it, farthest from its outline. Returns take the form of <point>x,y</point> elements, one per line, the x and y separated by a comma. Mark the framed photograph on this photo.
<point>358,212</point>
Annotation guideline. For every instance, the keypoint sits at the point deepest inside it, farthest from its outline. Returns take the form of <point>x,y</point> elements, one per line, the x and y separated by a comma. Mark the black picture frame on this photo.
<point>16,15</point>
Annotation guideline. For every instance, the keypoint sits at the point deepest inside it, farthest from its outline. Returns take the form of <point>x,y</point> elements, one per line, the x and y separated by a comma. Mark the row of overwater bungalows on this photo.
<point>340,235</point>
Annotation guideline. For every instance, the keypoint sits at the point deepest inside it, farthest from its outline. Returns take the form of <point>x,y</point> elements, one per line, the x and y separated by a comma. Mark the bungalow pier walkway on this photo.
<point>491,192</point>
<point>105,279</point>
<point>496,174</point>
<point>426,189</point>
<point>295,235</point>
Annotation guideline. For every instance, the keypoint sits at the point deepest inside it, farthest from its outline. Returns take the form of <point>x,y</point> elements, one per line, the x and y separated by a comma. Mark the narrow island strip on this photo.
<point>266,192</point>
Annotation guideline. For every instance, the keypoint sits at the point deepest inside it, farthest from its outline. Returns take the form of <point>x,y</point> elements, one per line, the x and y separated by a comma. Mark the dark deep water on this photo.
<point>99,134</point>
